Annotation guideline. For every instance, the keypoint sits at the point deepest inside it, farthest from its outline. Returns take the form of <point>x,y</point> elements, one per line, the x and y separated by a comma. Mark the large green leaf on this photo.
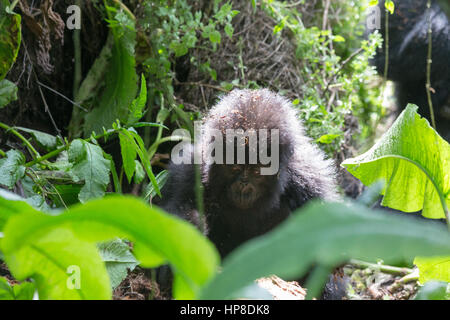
<point>158,237</point>
<point>89,165</point>
<point>118,259</point>
<point>434,290</point>
<point>10,37</point>
<point>45,140</point>
<point>8,92</point>
<point>11,204</point>
<point>121,80</point>
<point>49,258</point>
<point>23,291</point>
<point>327,235</point>
<point>12,168</point>
<point>434,268</point>
<point>414,161</point>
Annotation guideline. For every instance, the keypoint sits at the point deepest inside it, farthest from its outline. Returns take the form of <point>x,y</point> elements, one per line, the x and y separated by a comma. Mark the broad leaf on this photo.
<point>434,268</point>
<point>158,237</point>
<point>8,92</point>
<point>45,140</point>
<point>413,161</point>
<point>11,204</point>
<point>118,259</point>
<point>121,82</point>
<point>434,290</point>
<point>327,235</point>
<point>12,168</point>
<point>49,257</point>
<point>89,165</point>
<point>23,291</point>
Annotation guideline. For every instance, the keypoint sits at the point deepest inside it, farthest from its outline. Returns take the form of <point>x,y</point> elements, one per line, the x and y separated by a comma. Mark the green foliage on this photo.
<point>435,268</point>
<point>45,140</point>
<point>326,235</point>
<point>89,165</point>
<point>10,38</point>
<point>413,161</point>
<point>8,92</point>
<point>118,260</point>
<point>161,178</point>
<point>23,291</point>
<point>333,87</point>
<point>121,79</point>
<point>43,246</point>
<point>131,145</point>
<point>12,168</point>
<point>389,5</point>
<point>136,110</point>
<point>172,31</point>
<point>434,290</point>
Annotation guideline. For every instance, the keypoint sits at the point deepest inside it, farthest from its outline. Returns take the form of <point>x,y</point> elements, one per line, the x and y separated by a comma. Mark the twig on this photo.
<point>325,15</point>
<point>47,109</point>
<point>77,57</point>
<point>62,96</point>
<point>354,54</point>
<point>380,267</point>
<point>386,45</point>
<point>429,61</point>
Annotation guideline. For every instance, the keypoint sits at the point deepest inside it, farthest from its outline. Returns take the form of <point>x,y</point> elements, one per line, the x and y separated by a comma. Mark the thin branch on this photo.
<point>62,96</point>
<point>346,61</point>
<point>429,61</point>
<point>381,267</point>
<point>47,109</point>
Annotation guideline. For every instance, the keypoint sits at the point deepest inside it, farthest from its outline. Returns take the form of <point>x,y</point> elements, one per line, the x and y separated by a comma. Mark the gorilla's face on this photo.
<point>245,186</point>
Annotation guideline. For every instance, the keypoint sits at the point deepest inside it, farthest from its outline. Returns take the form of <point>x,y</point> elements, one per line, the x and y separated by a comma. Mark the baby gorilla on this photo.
<point>258,189</point>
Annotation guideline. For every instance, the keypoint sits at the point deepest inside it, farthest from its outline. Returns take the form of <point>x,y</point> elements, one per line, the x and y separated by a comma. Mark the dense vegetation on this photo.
<point>86,135</point>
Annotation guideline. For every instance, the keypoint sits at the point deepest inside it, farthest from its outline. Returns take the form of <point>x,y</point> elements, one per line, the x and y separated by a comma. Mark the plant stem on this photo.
<point>77,57</point>
<point>316,281</point>
<point>32,150</point>
<point>429,61</point>
<point>13,5</point>
<point>125,8</point>
<point>380,267</point>
<point>386,45</point>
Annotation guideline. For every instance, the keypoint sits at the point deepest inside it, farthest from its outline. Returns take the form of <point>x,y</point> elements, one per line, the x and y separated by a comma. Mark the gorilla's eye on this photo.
<point>256,171</point>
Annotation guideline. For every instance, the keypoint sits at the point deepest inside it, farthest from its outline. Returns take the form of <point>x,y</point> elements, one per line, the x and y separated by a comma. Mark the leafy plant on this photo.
<point>23,291</point>
<point>121,79</point>
<point>326,235</point>
<point>413,161</point>
<point>118,260</point>
<point>43,246</point>
<point>434,290</point>
<point>10,37</point>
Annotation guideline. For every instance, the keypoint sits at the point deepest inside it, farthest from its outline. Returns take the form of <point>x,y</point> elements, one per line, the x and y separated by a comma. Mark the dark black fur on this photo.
<point>303,174</point>
<point>408,46</point>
